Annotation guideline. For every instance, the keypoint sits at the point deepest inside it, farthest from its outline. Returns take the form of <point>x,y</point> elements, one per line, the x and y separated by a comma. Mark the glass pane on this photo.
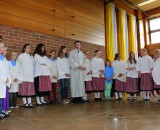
<point>141,29</point>
<point>155,37</point>
<point>155,24</point>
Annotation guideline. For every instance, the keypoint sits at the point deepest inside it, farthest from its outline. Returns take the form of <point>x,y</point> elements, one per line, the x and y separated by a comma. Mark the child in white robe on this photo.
<point>88,76</point>
<point>42,79</point>
<point>25,76</point>
<point>119,76</point>
<point>63,73</point>
<point>144,68</point>
<point>5,101</point>
<point>156,71</point>
<point>131,76</point>
<point>54,74</point>
<point>13,68</point>
<point>3,79</point>
<point>98,77</point>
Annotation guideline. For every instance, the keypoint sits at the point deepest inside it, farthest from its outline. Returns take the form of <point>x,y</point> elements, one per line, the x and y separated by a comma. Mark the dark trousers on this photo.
<point>64,88</point>
<point>53,92</point>
<point>12,99</point>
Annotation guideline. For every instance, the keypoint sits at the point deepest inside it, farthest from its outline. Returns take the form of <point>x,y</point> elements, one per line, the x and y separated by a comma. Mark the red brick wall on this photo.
<point>14,38</point>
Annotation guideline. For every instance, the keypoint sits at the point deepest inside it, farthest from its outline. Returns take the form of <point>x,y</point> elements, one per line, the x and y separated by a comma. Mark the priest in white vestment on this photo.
<point>76,61</point>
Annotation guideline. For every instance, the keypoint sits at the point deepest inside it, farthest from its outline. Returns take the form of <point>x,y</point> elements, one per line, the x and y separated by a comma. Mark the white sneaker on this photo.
<point>68,100</point>
<point>16,107</point>
<point>9,111</point>
<point>65,102</point>
<point>12,107</point>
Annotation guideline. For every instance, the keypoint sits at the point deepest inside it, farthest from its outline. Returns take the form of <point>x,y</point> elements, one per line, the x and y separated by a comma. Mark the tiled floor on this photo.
<point>88,116</point>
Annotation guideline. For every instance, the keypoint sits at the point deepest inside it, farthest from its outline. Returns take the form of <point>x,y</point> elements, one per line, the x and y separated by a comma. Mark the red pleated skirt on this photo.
<point>131,85</point>
<point>44,84</point>
<point>120,86</point>
<point>146,82</point>
<point>26,89</point>
<point>98,84</point>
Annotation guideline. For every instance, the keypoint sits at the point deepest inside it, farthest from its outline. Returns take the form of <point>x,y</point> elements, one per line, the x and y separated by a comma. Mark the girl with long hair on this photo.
<point>131,76</point>
<point>63,73</point>
<point>42,79</point>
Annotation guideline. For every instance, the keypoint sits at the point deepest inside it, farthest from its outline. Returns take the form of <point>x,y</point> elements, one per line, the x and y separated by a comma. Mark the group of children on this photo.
<point>132,77</point>
<point>37,76</point>
<point>31,76</point>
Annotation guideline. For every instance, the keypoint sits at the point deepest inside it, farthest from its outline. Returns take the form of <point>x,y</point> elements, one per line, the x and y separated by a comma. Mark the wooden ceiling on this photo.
<point>146,7</point>
<point>75,19</point>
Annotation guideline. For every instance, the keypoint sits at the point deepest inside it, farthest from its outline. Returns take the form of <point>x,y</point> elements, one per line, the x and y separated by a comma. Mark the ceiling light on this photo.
<point>146,2</point>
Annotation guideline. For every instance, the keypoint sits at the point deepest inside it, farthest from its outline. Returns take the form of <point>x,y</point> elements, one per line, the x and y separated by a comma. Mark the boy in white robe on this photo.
<point>13,68</point>
<point>54,75</point>
<point>5,101</point>
<point>3,79</point>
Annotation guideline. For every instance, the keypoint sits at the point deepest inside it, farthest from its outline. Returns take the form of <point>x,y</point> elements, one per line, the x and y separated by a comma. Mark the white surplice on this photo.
<point>25,73</point>
<point>119,67</point>
<point>53,70</point>
<point>156,72</point>
<point>63,67</point>
<point>14,74</point>
<point>97,64</point>
<point>131,73</point>
<point>87,65</point>
<point>41,66</point>
<point>145,64</point>
<point>3,77</point>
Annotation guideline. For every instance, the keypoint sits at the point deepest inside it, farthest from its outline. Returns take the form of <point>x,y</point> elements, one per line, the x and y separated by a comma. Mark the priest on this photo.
<point>76,61</point>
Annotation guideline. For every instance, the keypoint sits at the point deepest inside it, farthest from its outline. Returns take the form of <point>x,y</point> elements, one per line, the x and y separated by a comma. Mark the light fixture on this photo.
<point>146,2</point>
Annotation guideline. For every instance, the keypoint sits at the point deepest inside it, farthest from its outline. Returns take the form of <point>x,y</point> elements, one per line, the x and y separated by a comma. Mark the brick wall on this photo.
<point>14,38</point>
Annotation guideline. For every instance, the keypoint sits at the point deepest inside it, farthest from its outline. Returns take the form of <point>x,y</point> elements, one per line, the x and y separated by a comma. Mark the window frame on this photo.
<point>150,31</point>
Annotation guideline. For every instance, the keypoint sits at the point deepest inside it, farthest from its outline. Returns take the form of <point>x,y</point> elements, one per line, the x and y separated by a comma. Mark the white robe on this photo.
<point>119,67</point>
<point>3,78</point>
<point>53,71</point>
<point>145,64</point>
<point>63,67</point>
<point>156,72</point>
<point>97,64</point>
<point>4,74</point>
<point>25,73</point>
<point>132,73</point>
<point>77,76</point>
<point>8,74</point>
<point>87,65</point>
<point>39,68</point>
<point>13,73</point>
